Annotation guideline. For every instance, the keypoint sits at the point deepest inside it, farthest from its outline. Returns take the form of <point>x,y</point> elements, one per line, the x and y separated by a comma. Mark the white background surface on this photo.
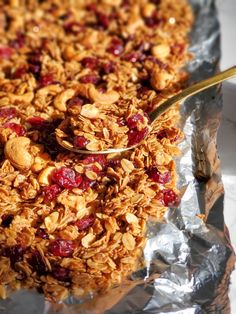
<point>227,132</point>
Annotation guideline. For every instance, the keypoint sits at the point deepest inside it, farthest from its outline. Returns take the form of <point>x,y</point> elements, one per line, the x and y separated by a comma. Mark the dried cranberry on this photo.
<point>135,136</point>
<point>133,57</point>
<point>101,159</point>
<point>46,79</point>
<point>15,127</point>
<point>34,68</point>
<point>133,120</point>
<point>108,67</point>
<point>38,263</point>
<point>90,78</point>
<point>159,177</point>
<point>61,273</point>
<point>153,20</point>
<point>35,57</point>
<point>15,253</point>
<point>5,52</point>
<point>103,20</point>
<point>73,28</point>
<point>7,220</point>
<point>19,42</point>
<point>162,134</point>
<point>92,7</point>
<point>80,142</point>
<point>41,233</point>
<point>170,198</point>
<point>66,178</point>
<point>116,47</point>
<point>90,62</point>
<point>85,222</point>
<point>50,192</point>
<point>86,184</point>
<point>113,163</point>
<point>8,113</point>
<point>62,248</point>
<point>19,72</point>
<point>37,123</point>
<point>75,102</point>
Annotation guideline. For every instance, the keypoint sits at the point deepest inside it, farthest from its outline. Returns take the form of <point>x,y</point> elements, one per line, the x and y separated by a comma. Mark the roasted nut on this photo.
<point>17,151</point>
<point>50,221</point>
<point>160,79</point>
<point>161,51</point>
<point>44,176</point>
<point>89,111</point>
<point>107,98</point>
<point>62,98</point>
<point>25,98</point>
<point>148,9</point>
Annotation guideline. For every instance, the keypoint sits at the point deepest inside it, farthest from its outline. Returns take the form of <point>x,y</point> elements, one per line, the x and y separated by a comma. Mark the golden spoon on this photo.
<point>186,93</point>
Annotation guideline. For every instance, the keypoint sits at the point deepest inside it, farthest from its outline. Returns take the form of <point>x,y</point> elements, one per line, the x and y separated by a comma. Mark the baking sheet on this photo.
<point>188,262</point>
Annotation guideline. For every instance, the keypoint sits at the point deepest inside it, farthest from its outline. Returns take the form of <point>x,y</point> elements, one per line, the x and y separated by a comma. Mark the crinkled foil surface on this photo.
<point>188,262</point>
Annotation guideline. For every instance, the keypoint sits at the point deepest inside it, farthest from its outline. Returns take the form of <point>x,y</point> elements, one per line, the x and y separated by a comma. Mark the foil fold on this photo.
<point>187,262</point>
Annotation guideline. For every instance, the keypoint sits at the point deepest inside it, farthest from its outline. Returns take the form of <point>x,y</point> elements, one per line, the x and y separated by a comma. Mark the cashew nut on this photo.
<point>26,98</point>
<point>107,98</point>
<point>161,51</point>
<point>89,111</point>
<point>17,151</point>
<point>160,79</point>
<point>62,98</point>
<point>44,176</point>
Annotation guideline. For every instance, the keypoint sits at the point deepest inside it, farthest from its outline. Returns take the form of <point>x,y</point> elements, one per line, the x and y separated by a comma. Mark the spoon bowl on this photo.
<point>186,93</point>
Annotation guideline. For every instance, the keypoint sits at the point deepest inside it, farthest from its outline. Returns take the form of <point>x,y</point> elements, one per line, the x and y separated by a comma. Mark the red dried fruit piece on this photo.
<point>19,42</point>
<point>61,273</point>
<point>50,192</point>
<point>73,28</point>
<point>108,67</point>
<point>85,222</point>
<point>46,79</point>
<point>116,47</point>
<point>113,163</point>
<point>15,127</point>
<point>66,178</point>
<point>62,248</point>
<point>159,177</point>
<point>41,233</point>
<point>103,20</point>
<point>15,253</point>
<point>162,134</point>
<point>90,62</point>
<point>170,198</point>
<point>5,52</point>
<point>135,136</point>
<point>38,263</point>
<point>37,123</point>
<point>75,102</point>
<point>133,120</point>
<point>19,72</point>
<point>8,113</point>
<point>86,184</point>
<point>7,220</point>
<point>153,20</point>
<point>90,78</point>
<point>133,57</point>
<point>101,159</point>
<point>80,142</point>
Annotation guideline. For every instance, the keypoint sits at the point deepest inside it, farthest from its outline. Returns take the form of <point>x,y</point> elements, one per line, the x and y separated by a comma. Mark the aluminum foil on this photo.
<point>188,262</point>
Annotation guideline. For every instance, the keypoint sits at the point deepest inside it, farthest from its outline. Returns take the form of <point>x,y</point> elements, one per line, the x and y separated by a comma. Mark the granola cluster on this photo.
<point>89,71</point>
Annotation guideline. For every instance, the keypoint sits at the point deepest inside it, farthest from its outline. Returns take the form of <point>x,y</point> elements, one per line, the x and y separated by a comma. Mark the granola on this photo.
<point>90,71</point>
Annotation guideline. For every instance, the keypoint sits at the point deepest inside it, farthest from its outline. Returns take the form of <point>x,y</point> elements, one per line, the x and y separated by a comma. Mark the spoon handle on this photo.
<point>192,90</point>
